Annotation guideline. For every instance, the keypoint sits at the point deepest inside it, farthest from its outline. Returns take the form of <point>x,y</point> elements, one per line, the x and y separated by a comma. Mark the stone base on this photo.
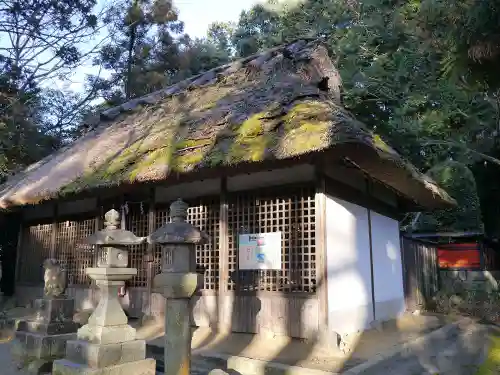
<point>142,367</point>
<point>106,335</point>
<point>105,355</point>
<point>39,367</point>
<point>34,350</point>
<point>55,309</point>
<point>41,327</point>
<point>41,346</point>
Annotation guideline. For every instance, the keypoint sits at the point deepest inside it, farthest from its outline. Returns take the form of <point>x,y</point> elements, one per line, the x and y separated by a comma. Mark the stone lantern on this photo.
<point>178,282</point>
<point>107,344</point>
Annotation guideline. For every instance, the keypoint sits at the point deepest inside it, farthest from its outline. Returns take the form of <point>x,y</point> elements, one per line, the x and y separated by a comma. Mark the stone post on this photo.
<point>41,340</point>
<point>177,283</point>
<point>107,344</point>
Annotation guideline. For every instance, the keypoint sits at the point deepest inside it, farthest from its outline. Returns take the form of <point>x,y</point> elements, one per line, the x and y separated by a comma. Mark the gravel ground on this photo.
<point>7,365</point>
<point>459,354</point>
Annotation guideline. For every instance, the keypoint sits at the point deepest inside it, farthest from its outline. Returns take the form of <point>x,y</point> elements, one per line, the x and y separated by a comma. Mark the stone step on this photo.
<point>199,365</point>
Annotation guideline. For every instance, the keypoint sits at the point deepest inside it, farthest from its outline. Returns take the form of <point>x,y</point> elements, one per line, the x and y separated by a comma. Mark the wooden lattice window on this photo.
<point>204,214</point>
<point>137,222</point>
<point>35,248</point>
<point>289,211</point>
<point>74,256</point>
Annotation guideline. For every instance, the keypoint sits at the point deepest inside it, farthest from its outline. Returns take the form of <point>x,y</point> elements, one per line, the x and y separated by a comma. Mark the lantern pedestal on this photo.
<point>107,345</point>
<point>177,288</point>
<point>42,340</point>
<point>178,282</point>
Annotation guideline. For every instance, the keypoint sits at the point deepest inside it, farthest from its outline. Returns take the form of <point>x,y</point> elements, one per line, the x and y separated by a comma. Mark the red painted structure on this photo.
<point>460,255</point>
<point>463,250</point>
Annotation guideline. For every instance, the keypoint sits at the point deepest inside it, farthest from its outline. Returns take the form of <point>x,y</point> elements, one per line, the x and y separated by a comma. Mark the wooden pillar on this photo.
<point>372,270</point>
<point>53,238</point>
<point>149,258</point>
<point>98,219</point>
<point>19,250</point>
<point>223,256</point>
<point>321,250</point>
<point>98,216</point>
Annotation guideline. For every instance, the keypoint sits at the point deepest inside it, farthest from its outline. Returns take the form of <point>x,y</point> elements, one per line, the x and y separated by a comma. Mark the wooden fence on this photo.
<point>420,272</point>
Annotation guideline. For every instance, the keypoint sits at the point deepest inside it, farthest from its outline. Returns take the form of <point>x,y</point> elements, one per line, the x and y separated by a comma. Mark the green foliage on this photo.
<point>421,74</point>
<point>406,72</point>
<point>42,40</point>
<point>146,53</point>
<point>459,182</point>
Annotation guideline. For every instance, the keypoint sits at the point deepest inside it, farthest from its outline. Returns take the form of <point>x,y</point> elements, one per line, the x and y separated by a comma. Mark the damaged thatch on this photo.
<point>275,105</point>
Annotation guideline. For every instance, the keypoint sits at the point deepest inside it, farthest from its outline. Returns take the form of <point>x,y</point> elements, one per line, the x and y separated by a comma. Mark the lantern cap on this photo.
<point>178,231</point>
<point>111,235</point>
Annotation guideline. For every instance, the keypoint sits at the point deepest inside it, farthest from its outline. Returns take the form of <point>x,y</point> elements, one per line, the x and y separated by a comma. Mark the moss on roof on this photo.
<point>267,106</point>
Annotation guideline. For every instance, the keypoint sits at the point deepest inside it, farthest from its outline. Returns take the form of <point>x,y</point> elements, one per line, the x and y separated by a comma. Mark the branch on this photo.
<point>462,146</point>
<point>76,107</point>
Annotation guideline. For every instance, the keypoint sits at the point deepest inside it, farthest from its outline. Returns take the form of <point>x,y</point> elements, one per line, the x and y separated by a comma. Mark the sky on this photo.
<point>197,15</point>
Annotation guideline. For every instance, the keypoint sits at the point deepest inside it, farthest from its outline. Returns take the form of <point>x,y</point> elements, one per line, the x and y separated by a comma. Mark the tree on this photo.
<point>21,140</point>
<point>42,40</point>
<point>394,73</point>
<point>258,28</point>
<point>459,182</point>
<point>128,54</point>
<point>45,37</point>
<point>63,112</point>
<point>148,50</point>
<point>220,34</point>
<point>467,33</point>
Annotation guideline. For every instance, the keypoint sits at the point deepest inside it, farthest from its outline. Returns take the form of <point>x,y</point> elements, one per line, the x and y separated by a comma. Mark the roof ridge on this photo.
<point>175,88</point>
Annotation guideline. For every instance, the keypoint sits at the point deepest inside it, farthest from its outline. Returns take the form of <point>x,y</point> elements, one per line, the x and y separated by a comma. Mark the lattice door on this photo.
<point>74,256</point>
<point>137,222</point>
<point>289,211</point>
<point>204,214</point>
<point>35,248</point>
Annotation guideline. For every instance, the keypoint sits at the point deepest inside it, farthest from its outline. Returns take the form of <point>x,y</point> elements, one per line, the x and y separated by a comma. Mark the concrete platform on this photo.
<point>303,353</point>
<point>454,349</point>
<point>143,367</point>
<point>265,352</point>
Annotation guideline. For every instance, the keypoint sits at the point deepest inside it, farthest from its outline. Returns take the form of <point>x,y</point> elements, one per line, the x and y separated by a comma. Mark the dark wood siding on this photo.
<point>420,272</point>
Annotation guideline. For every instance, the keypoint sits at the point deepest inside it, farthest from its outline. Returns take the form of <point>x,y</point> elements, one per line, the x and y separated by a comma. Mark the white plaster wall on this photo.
<point>348,266</point>
<point>387,267</point>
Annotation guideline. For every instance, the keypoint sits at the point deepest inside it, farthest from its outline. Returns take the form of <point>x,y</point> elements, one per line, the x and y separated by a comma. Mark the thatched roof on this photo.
<point>269,106</point>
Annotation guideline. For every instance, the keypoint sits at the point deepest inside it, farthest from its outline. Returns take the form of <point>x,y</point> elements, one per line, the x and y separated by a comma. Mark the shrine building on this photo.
<point>300,200</point>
